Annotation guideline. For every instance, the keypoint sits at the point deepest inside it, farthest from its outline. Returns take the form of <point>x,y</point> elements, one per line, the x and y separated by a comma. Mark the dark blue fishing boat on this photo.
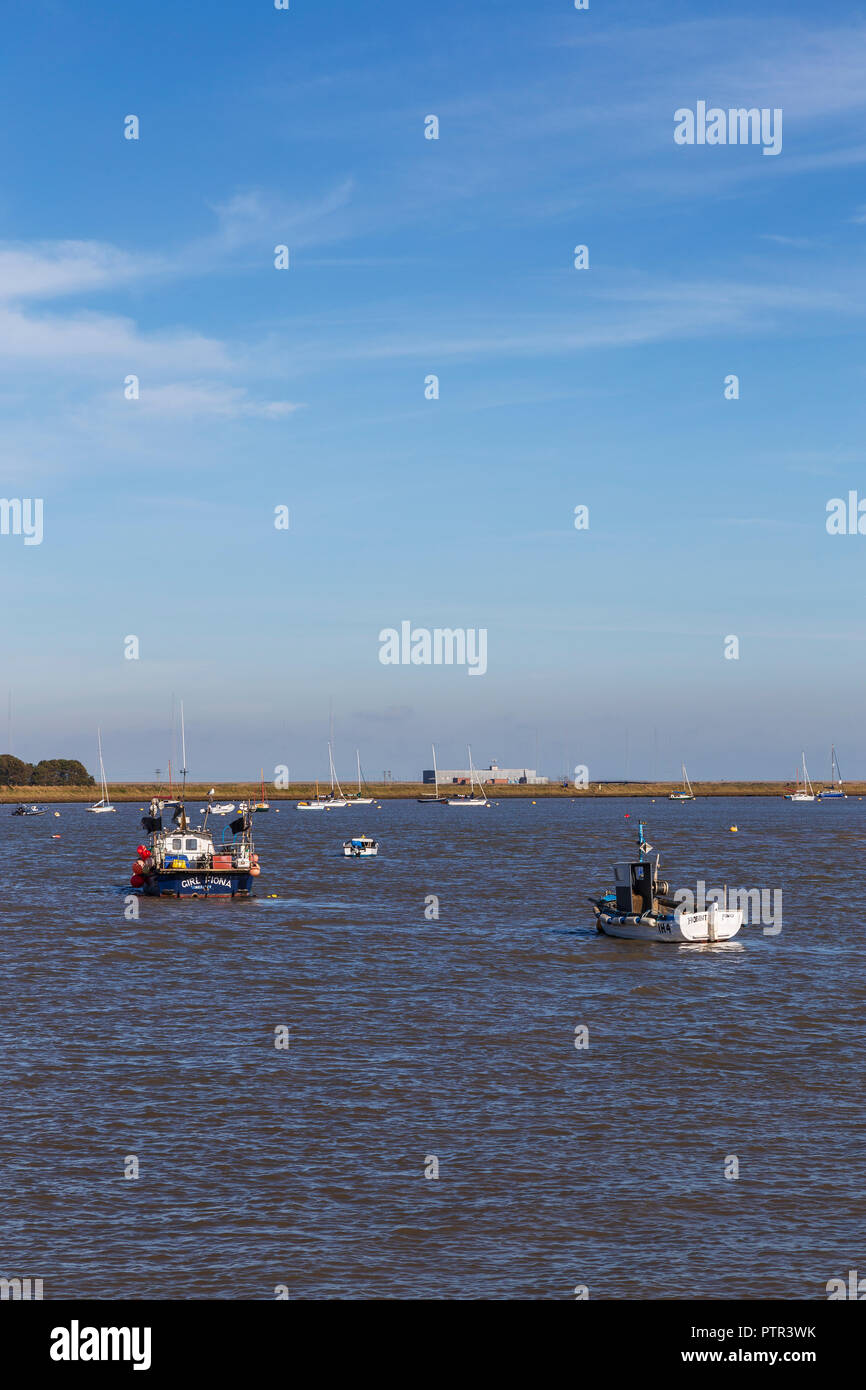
<point>184,861</point>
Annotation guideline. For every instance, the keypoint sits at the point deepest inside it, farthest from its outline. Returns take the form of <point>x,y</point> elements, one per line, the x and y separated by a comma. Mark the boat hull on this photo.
<point>198,883</point>
<point>719,925</point>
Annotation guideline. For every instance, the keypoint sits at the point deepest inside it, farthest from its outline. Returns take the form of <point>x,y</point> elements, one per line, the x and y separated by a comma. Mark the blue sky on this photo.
<point>558,387</point>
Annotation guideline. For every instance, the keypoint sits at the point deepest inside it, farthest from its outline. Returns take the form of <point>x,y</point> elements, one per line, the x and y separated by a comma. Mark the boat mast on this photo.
<point>435,771</point>
<point>358,756</point>
<point>102,780</point>
<point>183,750</point>
<point>183,825</point>
<point>473,778</point>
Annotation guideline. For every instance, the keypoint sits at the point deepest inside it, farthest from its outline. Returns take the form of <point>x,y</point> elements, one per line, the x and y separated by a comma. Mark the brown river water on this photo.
<point>416,1040</point>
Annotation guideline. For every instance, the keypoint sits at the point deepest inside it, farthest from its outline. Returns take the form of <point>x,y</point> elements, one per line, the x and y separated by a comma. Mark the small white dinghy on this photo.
<point>642,908</point>
<point>360,847</point>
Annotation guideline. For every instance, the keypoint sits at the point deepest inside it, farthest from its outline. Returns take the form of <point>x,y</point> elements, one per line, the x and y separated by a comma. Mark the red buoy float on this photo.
<point>137,881</point>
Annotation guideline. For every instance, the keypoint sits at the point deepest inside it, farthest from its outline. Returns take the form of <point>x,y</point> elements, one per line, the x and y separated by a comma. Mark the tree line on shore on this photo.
<point>50,772</point>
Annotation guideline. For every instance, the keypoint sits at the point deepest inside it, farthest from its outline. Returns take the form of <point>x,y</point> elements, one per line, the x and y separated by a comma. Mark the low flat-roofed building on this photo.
<point>494,775</point>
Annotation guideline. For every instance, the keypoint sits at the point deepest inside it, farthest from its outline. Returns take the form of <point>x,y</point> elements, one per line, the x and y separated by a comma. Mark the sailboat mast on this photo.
<point>102,782</point>
<point>358,756</point>
<point>435,770</point>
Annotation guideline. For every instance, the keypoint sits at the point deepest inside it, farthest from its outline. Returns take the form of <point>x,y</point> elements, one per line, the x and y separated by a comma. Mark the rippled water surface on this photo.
<point>413,1038</point>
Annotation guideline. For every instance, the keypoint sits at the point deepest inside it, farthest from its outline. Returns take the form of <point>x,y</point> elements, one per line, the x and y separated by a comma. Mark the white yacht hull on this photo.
<point>715,925</point>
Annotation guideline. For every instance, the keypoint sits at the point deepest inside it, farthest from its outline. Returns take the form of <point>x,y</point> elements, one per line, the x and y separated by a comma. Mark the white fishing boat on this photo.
<point>470,799</point>
<point>360,847</point>
<point>686,794</point>
<point>104,803</point>
<point>806,792</point>
<point>358,798</point>
<point>836,789</point>
<point>642,908</point>
<point>28,810</point>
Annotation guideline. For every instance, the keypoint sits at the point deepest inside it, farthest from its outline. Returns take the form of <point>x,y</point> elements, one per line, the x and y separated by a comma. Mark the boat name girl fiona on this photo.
<point>444,646</point>
<point>762,905</point>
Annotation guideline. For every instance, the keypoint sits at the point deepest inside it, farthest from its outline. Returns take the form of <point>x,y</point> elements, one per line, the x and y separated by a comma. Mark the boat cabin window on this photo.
<point>192,844</point>
<point>177,843</point>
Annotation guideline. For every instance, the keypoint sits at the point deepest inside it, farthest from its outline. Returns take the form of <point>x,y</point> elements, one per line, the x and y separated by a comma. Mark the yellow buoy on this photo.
<point>734,828</point>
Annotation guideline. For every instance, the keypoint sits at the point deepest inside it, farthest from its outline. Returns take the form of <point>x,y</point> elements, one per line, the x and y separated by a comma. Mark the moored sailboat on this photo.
<point>264,804</point>
<point>806,792</point>
<point>470,799</point>
<point>333,798</point>
<point>836,789</point>
<point>358,798</point>
<point>686,794</point>
<point>104,802</point>
<point>436,799</point>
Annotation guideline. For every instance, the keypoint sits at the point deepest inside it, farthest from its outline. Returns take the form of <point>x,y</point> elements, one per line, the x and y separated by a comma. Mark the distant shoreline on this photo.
<point>393,791</point>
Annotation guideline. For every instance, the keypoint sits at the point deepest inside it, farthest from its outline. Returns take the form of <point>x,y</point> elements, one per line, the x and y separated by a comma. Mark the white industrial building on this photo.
<point>494,774</point>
